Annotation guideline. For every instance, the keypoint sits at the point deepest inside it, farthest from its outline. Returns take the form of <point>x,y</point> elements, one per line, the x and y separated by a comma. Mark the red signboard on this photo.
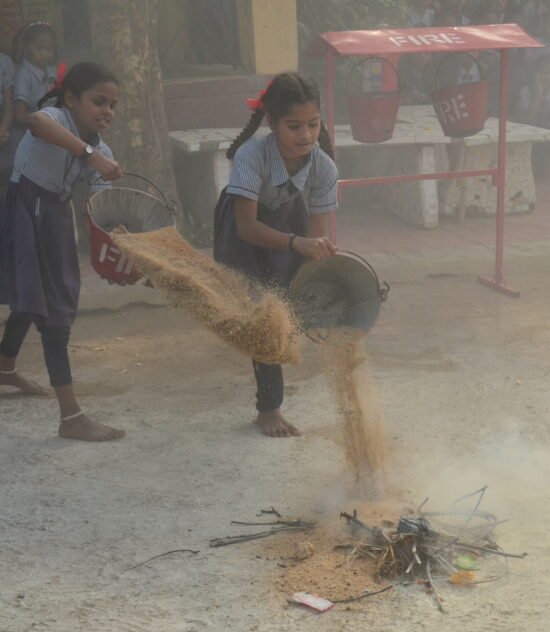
<point>433,39</point>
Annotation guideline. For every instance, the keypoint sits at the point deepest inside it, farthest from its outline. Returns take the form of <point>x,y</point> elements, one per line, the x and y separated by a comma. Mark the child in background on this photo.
<point>451,13</point>
<point>39,269</point>
<point>534,100</point>
<point>7,77</point>
<point>416,74</point>
<point>34,53</point>
<point>420,13</point>
<point>273,212</point>
<point>533,108</point>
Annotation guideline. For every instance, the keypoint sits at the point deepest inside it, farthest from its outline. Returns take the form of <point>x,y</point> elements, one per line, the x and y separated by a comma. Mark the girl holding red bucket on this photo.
<point>273,212</point>
<point>39,271</point>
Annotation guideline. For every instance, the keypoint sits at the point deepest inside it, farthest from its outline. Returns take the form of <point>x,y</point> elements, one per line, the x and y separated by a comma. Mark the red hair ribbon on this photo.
<point>61,72</point>
<point>258,102</point>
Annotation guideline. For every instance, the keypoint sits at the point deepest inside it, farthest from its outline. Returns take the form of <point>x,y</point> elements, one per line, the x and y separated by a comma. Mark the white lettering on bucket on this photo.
<point>109,253</point>
<point>121,264</point>
<point>427,40</point>
<point>452,110</point>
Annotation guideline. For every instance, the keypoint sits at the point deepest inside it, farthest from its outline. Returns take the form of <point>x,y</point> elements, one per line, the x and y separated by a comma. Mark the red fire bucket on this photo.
<point>373,110</point>
<point>461,109</point>
<point>137,212</point>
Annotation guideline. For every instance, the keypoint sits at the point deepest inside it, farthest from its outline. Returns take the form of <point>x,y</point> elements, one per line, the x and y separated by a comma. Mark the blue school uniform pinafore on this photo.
<point>39,269</point>
<point>7,78</point>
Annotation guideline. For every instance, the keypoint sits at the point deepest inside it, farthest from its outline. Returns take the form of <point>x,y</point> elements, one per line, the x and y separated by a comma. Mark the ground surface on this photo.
<point>462,374</point>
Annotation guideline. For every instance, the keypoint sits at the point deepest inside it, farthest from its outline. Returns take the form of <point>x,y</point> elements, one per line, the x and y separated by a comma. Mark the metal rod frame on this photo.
<point>496,282</point>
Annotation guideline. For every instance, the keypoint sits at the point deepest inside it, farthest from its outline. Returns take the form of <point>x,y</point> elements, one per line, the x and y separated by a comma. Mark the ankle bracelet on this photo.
<point>71,417</point>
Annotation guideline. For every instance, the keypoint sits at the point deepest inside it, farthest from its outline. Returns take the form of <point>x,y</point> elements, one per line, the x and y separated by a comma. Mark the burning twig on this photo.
<point>434,589</point>
<point>272,511</point>
<point>491,550</point>
<point>156,557</point>
<point>415,549</point>
<point>283,525</point>
<point>363,596</point>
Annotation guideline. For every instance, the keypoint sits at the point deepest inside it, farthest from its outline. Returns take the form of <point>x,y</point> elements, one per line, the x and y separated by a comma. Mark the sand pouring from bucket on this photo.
<point>372,113</point>
<point>137,212</point>
<point>461,109</point>
<point>340,291</point>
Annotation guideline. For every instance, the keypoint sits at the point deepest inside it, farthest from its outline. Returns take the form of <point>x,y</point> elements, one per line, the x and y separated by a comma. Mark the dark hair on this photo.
<point>286,90</point>
<point>79,78</point>
<point>28,34</point>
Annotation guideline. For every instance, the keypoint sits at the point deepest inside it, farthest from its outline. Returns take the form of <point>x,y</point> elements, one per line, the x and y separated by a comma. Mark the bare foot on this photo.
<point>25,386</point>
<point>87,430</point>
<point>273,424</point>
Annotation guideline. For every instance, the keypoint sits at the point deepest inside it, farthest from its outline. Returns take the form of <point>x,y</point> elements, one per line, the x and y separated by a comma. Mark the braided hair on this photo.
<point>286,89</point>
<point>28,34</point>
<point>79,78</point>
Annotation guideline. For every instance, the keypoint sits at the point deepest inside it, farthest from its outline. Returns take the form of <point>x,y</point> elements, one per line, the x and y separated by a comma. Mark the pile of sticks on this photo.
<point>413,550</point>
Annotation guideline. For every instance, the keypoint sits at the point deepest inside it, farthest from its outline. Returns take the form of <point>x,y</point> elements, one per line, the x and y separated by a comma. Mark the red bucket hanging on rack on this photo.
<point>461,108</point>
<point>373,109</point>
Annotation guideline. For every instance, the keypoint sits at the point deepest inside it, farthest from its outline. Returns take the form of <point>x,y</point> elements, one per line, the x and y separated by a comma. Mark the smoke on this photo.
<point>515,469</point>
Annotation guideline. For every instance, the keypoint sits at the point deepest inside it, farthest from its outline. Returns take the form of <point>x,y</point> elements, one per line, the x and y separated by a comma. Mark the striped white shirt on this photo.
<point>7,76</point>
<point>32,83</point>
<point>259,173</point>
<point>52,167</point>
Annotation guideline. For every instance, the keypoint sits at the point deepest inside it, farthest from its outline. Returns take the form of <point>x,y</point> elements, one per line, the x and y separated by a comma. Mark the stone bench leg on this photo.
<point>479,195</point>
<point>415,202</point>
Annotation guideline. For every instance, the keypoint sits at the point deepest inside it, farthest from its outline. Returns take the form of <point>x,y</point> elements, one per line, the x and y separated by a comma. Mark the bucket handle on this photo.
<point>170,207</point>
<point>383,288</point>
<point>382,59</point>
<point>482,75</point>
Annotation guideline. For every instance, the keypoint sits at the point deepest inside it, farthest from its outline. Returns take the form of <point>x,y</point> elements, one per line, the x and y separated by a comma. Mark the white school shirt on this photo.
<point>52,167</point>
<point>32,83</point>
<point>7,76</point>
<point>259,173</point>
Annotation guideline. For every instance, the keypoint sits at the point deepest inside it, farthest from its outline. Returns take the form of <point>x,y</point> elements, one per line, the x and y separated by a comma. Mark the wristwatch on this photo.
<point>88,151</point>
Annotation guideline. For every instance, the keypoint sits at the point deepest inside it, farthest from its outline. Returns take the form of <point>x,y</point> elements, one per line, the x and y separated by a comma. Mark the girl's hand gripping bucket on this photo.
<point>462,108</point>
<point>340,291</point>
<point>134,210</point>
<point>372,110</point>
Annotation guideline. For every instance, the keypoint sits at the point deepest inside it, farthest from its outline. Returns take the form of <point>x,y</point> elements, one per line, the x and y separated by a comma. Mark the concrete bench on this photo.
<point>418,146</point>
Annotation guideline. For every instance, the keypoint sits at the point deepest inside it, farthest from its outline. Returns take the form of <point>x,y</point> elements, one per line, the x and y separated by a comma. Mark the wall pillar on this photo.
<point>268,33</point>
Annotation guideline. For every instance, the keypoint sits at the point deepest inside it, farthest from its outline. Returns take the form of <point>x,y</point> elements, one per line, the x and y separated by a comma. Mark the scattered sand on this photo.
<point>265,331</point>
<point>345,364</point>
<point>219,297</point>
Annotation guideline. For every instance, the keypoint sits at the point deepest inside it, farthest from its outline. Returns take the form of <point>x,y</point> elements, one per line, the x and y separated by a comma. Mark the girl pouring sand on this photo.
<point>273,213</point>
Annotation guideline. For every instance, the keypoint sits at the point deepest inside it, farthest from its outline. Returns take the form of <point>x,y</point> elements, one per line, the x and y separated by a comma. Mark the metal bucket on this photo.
<point>340,291</point>
<point>373,114</point>
<point>461,109</point>
<point>137,211</point>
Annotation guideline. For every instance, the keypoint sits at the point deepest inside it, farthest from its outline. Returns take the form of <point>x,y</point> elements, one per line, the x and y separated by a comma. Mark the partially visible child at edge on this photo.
<point>34,53</point>
<point>39,272</point>
<point>7,77</point>
<point>272,215</point>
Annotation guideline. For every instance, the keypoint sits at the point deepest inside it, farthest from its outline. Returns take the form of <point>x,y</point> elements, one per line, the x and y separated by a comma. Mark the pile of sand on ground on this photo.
<point>345,363</point>
<point>219,297</point>
<point>330,572</point>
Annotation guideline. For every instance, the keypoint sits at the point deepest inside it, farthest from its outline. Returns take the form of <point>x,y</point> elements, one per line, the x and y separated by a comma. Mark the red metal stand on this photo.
<point>497,282</point>
<point>500,37</point>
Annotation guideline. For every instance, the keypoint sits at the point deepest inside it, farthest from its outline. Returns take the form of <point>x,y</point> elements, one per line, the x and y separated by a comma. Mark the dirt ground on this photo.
<point>462,375</point>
